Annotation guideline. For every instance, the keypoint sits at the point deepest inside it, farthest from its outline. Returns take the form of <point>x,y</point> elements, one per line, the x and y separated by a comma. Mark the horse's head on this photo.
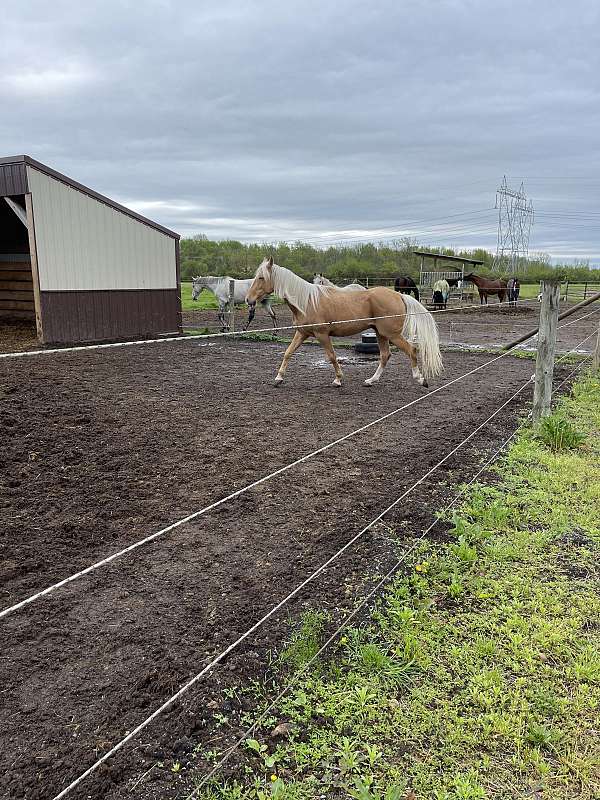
<point>262,286</point>
<point>197,287</point>
<point>318,279</point>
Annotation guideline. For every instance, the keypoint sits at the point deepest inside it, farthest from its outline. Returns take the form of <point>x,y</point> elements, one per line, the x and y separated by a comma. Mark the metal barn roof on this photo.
<point>13,180</point>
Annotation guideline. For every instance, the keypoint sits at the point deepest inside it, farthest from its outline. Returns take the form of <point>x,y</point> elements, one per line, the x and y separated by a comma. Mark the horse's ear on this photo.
<point>270,262</point>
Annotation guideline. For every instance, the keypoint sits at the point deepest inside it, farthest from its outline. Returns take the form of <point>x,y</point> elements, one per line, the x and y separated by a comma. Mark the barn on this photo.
<point>78,265</point>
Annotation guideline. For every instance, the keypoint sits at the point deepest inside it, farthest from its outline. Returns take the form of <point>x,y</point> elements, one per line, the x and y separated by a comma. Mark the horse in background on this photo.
<point>406,285</point>
<point>219,286</point>
<point>321,280</point>
<point>488,286</point>
<point>514,289</point>
<point>320,311</point>
<point>441,292</point>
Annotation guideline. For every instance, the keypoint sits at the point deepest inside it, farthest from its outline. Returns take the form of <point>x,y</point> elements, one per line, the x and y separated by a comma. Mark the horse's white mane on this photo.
<point>291,287</point>
<point>211,280</point>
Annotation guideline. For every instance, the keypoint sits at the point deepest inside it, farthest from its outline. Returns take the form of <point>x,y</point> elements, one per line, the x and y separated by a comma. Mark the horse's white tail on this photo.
<point>420,329</point>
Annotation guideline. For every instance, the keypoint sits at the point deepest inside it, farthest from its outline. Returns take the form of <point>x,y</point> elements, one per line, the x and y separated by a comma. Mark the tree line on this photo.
<point>202,256</point>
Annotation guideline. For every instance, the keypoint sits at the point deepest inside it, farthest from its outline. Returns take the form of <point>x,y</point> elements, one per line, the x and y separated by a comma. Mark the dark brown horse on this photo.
<point>406,285</point>
<point>486,286</point>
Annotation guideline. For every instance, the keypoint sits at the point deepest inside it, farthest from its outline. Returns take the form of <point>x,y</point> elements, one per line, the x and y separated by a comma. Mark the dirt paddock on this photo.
<point>102,448</point>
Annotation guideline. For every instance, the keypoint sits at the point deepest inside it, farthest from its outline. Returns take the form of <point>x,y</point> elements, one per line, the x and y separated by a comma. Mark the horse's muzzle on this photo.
<point>251,310</point>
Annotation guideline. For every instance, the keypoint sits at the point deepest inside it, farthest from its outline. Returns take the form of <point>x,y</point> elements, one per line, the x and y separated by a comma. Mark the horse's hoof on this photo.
<point>337,382</point>
<point>278,380</point>
<point>368,382</point>
<point>425,385</point>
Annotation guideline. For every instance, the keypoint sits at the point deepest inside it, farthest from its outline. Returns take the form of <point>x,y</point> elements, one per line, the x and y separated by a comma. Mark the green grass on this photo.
<point>205,299</point>
<point>477,675</point>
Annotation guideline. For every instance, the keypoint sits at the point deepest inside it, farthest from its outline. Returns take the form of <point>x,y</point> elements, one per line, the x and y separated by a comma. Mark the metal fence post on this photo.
<point>596,357</point>
<point>544,365</point>
<point>232,307</point>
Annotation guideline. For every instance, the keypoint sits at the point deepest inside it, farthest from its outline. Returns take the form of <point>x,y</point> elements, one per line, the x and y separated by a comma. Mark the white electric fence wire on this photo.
<point>187,338</point>
<point>345,622</point>
<point>573,350</point>
<point>169,702</point>
<point>375,590</point>
<point>135,545</point>
<point>583,316</point>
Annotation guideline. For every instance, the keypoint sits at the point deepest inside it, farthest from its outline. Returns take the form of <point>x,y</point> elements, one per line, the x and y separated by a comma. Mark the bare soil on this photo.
<point>101,448</point>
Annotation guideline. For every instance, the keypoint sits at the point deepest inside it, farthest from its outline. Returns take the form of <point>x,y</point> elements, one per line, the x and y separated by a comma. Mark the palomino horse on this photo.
<point>219,286</point>
<point>324,311</point>
<point>406,285</point>
<point>441,292</point>
<point>321,280</point>
<point>487,286</point>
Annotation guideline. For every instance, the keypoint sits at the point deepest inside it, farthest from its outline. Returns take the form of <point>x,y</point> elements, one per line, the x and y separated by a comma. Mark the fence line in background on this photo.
<point>187,338</point>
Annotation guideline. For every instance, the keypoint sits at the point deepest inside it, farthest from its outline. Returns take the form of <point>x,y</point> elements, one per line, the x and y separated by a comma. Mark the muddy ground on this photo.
<point>102,448</point>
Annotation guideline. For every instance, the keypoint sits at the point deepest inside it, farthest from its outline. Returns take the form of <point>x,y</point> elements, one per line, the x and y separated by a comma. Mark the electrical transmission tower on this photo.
<point>515,218</point>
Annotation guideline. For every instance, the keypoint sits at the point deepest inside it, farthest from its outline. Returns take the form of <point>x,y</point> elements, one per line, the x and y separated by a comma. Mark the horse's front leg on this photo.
<point>325,341</point>
<point>271,313</point>
<point>292,347</point>
<point>225,316</point>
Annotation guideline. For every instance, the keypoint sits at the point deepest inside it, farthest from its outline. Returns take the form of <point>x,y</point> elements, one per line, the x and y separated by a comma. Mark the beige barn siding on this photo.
<point>84,244</point>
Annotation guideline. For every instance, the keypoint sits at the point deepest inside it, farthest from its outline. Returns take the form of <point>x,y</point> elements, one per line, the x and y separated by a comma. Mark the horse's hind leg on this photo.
<point>292,347</point>
<point>384,357</point>
<point>325,342</point>
<point>411,352</point>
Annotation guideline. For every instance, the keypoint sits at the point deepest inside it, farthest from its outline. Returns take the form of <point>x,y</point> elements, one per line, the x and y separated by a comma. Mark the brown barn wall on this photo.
<point>109,314</point>
<point>13,179</point>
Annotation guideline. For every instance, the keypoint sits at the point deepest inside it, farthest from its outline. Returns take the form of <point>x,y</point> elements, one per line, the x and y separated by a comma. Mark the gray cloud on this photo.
<point>264,120</point>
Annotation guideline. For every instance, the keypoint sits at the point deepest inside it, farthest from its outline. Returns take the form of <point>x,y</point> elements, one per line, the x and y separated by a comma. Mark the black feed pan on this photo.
<point>368,343</point>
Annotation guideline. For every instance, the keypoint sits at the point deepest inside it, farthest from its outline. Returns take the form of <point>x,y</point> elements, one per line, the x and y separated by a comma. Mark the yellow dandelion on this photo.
<point>273,777</point>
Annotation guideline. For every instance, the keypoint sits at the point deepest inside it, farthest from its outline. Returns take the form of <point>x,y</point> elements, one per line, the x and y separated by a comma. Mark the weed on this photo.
<point>305,643</point>
<point>557,433</point>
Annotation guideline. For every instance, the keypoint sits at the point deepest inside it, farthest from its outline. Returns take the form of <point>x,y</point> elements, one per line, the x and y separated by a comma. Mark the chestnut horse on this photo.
<point>324,311</point>
<point>487,286</point>
<point>406,285</point>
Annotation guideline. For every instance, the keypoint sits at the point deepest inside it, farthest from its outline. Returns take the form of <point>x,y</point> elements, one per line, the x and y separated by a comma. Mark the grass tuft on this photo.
<point>557,433</point>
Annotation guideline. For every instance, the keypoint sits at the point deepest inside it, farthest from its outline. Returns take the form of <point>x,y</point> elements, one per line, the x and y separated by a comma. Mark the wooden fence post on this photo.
<point>544,365</point>
<point>232,307</point>
<point>596,357</point>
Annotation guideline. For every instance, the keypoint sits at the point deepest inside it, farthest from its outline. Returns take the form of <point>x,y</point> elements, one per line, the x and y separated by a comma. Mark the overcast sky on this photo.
<point>326,120</point>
